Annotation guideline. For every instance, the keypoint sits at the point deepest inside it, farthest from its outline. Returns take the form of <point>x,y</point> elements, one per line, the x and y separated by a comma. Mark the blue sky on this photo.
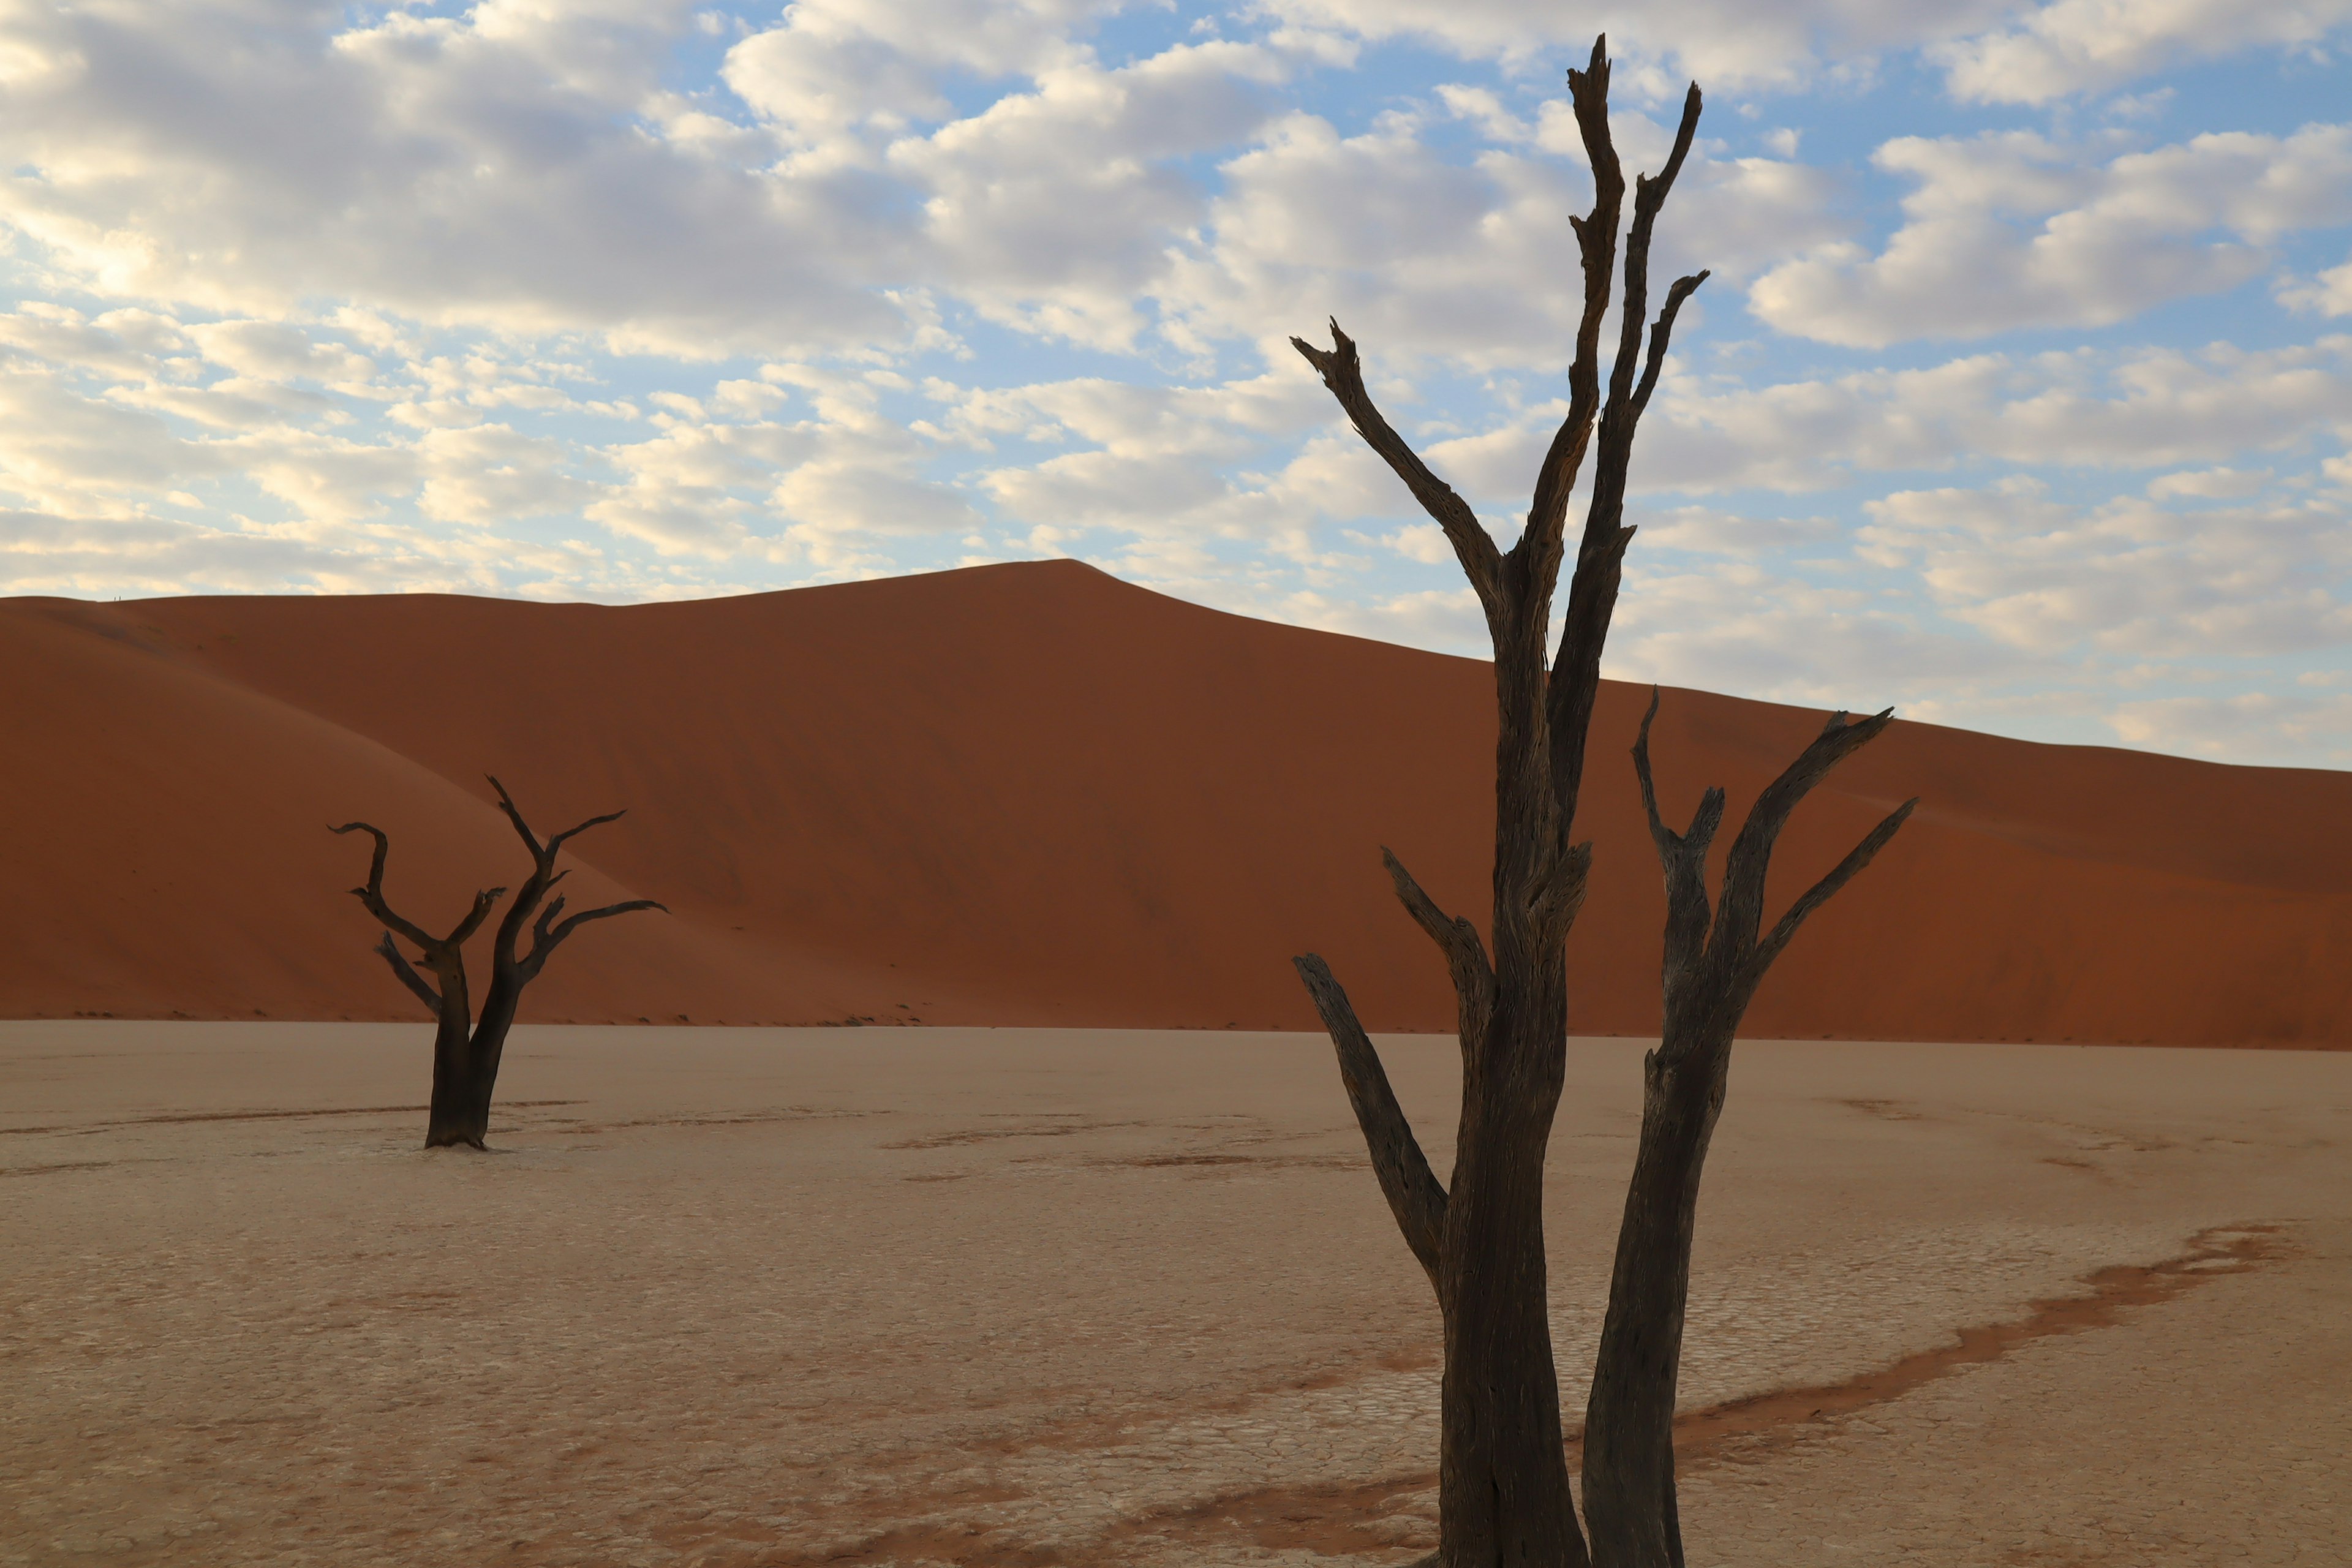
<point>2020,398</point>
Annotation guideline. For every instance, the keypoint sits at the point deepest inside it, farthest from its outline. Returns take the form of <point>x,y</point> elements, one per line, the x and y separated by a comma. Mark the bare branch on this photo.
<point>557,842</point>
<point>1649,195</point>
<point>1343,372</point>
<point>1660,834</point>
<point>1600,557</point>
<point>1683,857</point>
<point>373,894</point>
<point>1457,938</point>
<point>1820,892</point>
<point>544,940</point>
<point>484,902</point>
<point>1451,933</point>
<point>407,975</point>
<point>1596,235</point>
<point>1662,334</point>
<point>1415,1196</point>
<point>514,814</point>
<point>1742,910</point>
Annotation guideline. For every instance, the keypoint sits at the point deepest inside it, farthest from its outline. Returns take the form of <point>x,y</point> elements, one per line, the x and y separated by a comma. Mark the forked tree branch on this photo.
<point>1820,892</point>
<point>1649,195</point>
<point>1725,958</point>
<point>406,973</point>
<point>1342,371</point>
<point>1683,856</point>
<point>514,816</point>
<point>544,940</point>
<point>1742,912</point>
<point>1601,554</point>
<point>1414,1194</point>
<point>435,948</point>
<point>1539,548</point>
<point>546,935</point>
<point>1457,938</point>
<point>1663,333</point>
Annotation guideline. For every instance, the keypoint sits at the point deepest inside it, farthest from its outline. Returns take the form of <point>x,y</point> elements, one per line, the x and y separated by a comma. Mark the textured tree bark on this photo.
<point>1711,971</point>
<point>466,1051</point>
<point>1503,1494</point>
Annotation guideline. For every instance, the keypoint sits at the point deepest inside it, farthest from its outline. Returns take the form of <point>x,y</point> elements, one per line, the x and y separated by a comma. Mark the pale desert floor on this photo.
<point>998,1297</point>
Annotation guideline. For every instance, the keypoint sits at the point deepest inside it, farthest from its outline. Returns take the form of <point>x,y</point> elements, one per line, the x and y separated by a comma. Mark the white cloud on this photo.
<point>2088,45</point>
<point>831,66</point>
<point>2241,727</point>
<point>481,170</point>
<point>490,473</point>
<point>527,297</point>
<point>2207,484</point>
<point>1713,532</point>
<point>1058,206</point>
<point>1741,627</point>
<point>2330,293</point>
<point>2011,229</point>
<point>2147,408</point>
<point>2127,576</point>
<point>1725,44</point>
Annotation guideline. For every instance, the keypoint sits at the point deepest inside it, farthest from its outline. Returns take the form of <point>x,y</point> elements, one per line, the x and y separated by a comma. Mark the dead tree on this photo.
<point>1503,1476</point>
<point>466,1049</point>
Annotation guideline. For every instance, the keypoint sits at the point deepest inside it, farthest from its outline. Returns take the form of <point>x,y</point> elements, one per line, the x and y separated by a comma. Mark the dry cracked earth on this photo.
<point>1033,1298</point>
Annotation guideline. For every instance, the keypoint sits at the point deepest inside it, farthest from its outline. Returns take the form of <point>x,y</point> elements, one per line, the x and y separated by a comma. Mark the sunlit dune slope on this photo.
<point>1033,794</point>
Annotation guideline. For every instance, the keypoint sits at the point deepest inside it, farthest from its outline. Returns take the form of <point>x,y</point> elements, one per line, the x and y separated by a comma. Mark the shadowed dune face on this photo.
<point>1032,794</point>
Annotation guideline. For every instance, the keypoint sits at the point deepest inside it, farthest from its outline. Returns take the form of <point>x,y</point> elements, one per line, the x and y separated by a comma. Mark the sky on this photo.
<point>2019,397</point>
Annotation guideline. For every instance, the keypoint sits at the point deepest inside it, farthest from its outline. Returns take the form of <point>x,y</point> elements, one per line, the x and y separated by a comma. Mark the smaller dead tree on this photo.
<point>467,1048</point>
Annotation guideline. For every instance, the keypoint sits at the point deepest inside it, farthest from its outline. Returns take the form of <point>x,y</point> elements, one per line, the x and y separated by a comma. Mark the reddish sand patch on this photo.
<point>1343,1520</point>
<point>1033,794</point>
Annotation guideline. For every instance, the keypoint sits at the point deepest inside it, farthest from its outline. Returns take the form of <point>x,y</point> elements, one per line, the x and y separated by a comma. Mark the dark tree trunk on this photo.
<point>1629,1471</point>
<point>466,1051</point>
<point>1712,968</point>
<point>1503,1496</point>
<point>1503,1489</point>
<point>453,1118</point>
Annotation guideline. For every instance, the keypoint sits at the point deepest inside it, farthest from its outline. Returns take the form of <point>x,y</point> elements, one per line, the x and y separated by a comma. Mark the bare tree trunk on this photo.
<point>466,1052</point>
<point>1711,971</point>
<point>1629,1466</point>
<point>1503,1477</point>
<point>453,1117</point>
<point>1503,1493</point>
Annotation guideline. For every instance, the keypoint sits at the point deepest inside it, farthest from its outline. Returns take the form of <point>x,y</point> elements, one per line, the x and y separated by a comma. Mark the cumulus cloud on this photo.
<point>2128,576</point>
<point>488,169</point>
<point>832,66</point>
<point>2242,726</point>
<point>1747,628</point>
<point>2330,293</point>
<point>2147,408</point>
<point>1059,204</point>
<point>534,298</point>
<point>2072,47</point>
<point>2011,229</point>
<point>1722,43</point>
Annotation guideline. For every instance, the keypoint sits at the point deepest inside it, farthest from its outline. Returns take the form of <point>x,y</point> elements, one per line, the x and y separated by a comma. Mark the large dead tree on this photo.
<point>1503,1477</point>
<point>467,1048</point>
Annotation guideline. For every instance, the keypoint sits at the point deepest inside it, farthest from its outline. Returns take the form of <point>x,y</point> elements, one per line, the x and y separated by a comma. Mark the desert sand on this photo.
<point>1035,1297</point>
<point>1032,794</point>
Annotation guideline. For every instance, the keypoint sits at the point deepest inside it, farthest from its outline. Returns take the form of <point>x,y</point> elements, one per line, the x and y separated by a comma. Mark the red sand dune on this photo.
<point>1032,794</point>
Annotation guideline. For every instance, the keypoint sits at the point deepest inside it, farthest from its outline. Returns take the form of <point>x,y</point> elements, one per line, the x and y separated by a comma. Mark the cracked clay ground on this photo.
<point>1010,1297</point>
